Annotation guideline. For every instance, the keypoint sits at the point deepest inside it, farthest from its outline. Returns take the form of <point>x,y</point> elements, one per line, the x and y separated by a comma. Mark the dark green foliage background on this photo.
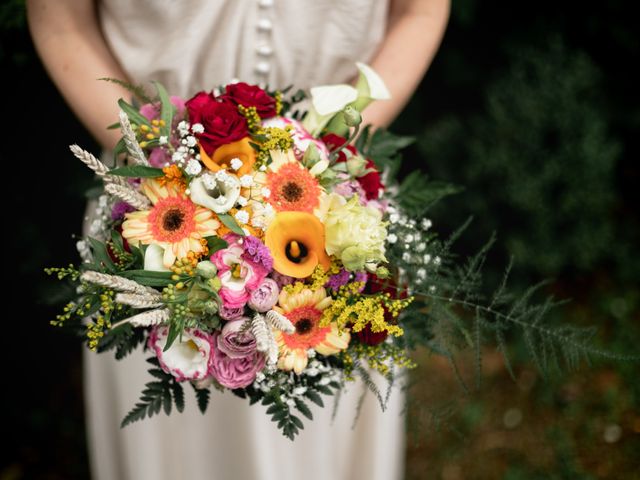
<point>533,108</point>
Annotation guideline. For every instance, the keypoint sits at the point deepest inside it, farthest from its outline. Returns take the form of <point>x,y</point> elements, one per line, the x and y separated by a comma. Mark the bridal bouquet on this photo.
<point>253,246</point>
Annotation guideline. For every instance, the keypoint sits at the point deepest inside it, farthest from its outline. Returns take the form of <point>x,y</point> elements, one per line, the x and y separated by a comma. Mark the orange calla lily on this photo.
<point>296,242</point>
<point>223,155</point>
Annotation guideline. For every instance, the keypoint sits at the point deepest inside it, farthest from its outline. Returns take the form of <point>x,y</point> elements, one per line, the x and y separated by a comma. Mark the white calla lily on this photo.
<point>370,85</point>
<point>215,192</point>
<point>153,258</point>
<point>327,101</point>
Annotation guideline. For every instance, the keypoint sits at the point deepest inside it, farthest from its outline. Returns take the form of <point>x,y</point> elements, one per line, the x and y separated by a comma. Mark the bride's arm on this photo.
<point>70,43</point>
<point>413,36</point>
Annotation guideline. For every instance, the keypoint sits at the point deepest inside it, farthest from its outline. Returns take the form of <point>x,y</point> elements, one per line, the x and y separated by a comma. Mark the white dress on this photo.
<point>192,45</point>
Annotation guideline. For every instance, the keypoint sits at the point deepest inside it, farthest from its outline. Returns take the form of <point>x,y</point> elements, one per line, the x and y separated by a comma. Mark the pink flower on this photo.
<point>228,314</point>
<point>159,156</point>
<point>236,339</point>
<point>235,372</point>
<point>263,298</point>
<point>301,137</point>
<point>238,272</point>
<point>189,358</point>
<point>151,111</point>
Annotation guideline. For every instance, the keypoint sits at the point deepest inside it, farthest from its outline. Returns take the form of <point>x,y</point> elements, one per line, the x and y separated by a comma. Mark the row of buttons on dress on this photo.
<point>264,50</point>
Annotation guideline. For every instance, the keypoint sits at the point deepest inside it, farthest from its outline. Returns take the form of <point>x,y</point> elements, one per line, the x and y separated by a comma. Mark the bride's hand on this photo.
<point>414,32</point>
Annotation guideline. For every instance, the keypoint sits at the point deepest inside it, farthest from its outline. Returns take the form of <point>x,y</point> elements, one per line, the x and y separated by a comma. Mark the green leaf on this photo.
<point>174,331</point>
<point>156,396</point>
<point>178,396</point>
<point>137,171</point>
<point>202,396</point>
<point>114,126</point>
<point>215,243</point>
<point>417,193</point>
<point>119,149</point>
<point>167,402</point>
<point>134,115</point>
<point>101,256</point>
<point>166,108</point>
<point>148,278</point>
<point>384,146</point>
<point>230,223</point>
<point>297,422</point>
<point>303,408</point>
<point>116,239</point>
<point>314,397</point>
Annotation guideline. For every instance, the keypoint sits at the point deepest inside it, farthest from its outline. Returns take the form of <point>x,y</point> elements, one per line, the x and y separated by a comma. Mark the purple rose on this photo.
<point>264,297</point>
<point>236,340</point>
<point>235,372</point>
<point>229,314</point>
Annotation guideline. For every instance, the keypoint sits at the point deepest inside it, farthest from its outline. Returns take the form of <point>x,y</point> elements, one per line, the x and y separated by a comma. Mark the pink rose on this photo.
<point>236,339</point>
<point>227,313</point>
<point>233,372</point>
<point>263,298</point>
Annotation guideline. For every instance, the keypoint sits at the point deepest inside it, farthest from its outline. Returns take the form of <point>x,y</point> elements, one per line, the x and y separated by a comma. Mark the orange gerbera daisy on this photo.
<point>174,223</point>
<point>304,310</point>
<point>293,187</point>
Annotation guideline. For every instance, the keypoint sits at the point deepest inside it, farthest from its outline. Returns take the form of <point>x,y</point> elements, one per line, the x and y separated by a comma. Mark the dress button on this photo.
<point>263,68</point>
<point>265,24</point>
<point>264,50</point>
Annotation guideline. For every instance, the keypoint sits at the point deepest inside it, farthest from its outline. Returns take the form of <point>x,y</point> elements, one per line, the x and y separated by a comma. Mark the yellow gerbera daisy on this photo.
<point>304,310</point>
<point>174,222</point>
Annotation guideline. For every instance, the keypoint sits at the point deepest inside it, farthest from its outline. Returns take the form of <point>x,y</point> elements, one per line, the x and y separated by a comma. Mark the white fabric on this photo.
<point>192,45</point>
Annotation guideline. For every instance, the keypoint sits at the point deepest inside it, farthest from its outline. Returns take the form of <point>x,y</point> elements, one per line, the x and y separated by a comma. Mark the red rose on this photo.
<point>251,96</point>
<point>221,121</point>
<point>376,285</point>
<point>370,183</point>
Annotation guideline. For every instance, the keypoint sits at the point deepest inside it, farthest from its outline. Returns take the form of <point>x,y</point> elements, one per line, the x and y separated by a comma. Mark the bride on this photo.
<point>193,45</point>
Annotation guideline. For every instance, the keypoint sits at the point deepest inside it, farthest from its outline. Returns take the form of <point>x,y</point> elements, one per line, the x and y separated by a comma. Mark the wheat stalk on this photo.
<point>265,342</point>
<point>279,321</point>
<point>96,165</point>
<point>129,195</point>
<point>146,319</point>
<point>139,301</point>
<point>133,147</point>
<point>118,283</point>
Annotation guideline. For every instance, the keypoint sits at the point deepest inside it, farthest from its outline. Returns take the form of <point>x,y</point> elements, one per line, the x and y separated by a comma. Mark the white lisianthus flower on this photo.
<point>218,193</point>
<point>189,357</point>
<point>356,234</point>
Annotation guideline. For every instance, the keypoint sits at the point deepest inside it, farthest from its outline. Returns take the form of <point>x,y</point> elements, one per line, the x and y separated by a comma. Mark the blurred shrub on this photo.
<point>538,161</point>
